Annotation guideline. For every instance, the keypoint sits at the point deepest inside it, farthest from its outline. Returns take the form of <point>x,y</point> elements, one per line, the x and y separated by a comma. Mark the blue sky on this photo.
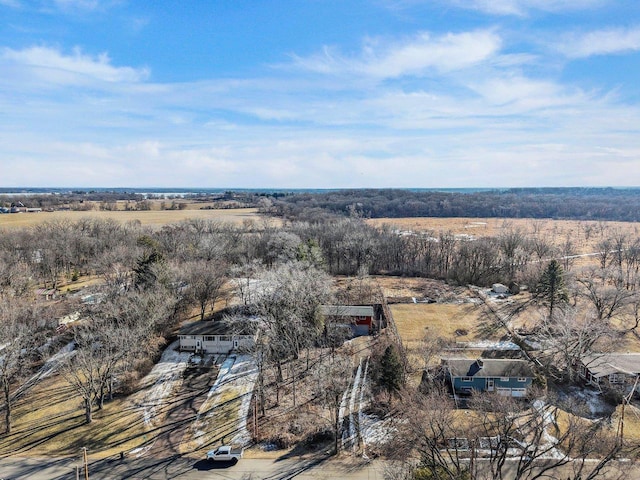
<point>319,93</point>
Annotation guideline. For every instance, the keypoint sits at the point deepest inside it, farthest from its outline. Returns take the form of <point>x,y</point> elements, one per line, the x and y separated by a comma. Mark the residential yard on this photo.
<point>49,421</point>
<point>461,322</point>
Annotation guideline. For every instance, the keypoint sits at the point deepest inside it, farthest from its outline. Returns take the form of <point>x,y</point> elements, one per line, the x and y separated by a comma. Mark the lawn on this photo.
<point>49,420</point>
<point>463,322</point>
<point>451,322</point>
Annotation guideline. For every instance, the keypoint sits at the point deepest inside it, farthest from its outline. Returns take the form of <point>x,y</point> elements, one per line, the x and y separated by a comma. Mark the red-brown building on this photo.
<point>359,317</point>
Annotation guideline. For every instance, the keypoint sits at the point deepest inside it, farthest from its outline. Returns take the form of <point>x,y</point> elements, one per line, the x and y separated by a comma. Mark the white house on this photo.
<point>215,337</point>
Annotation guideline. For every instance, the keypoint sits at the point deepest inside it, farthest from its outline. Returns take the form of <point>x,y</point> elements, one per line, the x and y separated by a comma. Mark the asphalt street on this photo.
<point>316,467</point>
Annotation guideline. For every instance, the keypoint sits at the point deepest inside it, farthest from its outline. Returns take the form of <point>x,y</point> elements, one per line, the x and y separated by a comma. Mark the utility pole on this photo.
<point>86,463</point>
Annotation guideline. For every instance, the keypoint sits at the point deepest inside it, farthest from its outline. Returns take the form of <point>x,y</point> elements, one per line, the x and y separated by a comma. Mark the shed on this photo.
<point>499,288</point>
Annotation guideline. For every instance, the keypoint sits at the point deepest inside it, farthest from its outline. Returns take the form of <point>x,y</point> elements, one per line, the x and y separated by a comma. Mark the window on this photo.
<point>522,379</point>
<point>504,379</point>
<point>466,379</point>
<point>225,338</point>
<point>210,338</point>
<point>616,378</point>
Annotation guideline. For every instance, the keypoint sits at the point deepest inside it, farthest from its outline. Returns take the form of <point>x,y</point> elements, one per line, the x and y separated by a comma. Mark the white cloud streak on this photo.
<point>601,42</point>
<point>50,65</point>
<point>413,56</point>
<point>524,7</point>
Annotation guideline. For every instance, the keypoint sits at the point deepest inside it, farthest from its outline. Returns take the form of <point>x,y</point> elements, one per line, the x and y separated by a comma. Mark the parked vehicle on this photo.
<point>225,453</point>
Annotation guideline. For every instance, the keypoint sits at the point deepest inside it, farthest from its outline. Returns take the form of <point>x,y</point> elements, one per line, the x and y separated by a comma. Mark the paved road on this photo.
<point>316,467</point>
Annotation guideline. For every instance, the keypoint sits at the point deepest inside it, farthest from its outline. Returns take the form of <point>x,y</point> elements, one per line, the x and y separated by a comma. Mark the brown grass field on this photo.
<point>584,235</point>
<point>152,218</point>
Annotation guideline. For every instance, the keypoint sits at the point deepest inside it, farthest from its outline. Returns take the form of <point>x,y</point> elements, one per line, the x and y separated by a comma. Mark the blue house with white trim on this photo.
<point>506,377</point>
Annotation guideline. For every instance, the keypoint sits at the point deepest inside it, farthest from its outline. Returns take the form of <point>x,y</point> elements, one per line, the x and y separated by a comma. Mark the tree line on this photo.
<point>559,203</point>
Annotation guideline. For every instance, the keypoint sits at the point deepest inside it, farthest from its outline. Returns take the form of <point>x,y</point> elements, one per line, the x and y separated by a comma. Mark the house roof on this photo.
<point>488,367</point>
<point>604,364</point>
<point>220,327</point>
<point>347,310</point>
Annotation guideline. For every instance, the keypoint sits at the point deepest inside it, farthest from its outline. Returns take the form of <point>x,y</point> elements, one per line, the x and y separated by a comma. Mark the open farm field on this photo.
<point>584,235</point>
<point>152,218</point>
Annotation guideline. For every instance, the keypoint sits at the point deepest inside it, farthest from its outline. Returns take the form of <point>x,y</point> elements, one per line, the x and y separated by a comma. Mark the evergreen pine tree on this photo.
<point>551,290</point>
<point>391,371</point>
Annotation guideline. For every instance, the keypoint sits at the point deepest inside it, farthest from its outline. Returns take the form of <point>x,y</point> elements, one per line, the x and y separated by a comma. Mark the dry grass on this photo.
<point>415,321</point>
<point>418,287</point>
<point>82,282</point>
<point>49,420</point>
<point>631,428</point>
<point>153,218</point>
<point>585,235</point>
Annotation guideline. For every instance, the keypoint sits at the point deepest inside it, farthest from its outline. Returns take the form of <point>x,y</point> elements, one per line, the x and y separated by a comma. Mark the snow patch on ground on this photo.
<point>160,383</point>
<point>48,368</point>
<point>488,345</point>
<point>228,402</point>
<point>548,442</point>
<point>591,398</point>
<point>375,430</point>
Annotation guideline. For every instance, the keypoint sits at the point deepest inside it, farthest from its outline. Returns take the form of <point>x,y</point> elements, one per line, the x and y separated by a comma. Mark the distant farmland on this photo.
<point>154,218</point>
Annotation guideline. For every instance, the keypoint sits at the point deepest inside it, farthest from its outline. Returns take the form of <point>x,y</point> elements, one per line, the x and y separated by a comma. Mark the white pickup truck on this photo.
<point>225,453</point>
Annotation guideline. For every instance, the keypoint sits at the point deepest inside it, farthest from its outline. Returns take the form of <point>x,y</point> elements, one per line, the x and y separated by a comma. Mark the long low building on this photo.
<point>215,337</point>
<point>607,370</point>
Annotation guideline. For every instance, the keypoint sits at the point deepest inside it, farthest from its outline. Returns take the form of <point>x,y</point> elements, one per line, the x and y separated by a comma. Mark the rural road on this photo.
<point>315,467</point>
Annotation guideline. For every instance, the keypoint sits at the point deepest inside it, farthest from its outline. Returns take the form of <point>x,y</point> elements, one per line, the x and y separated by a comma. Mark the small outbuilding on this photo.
<point>499,288</point>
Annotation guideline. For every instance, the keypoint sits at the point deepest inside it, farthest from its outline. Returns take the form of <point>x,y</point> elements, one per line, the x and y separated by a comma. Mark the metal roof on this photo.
<point>347,310</point>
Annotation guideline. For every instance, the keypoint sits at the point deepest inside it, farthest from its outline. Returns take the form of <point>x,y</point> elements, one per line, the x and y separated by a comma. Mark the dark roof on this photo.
<point>603,364</point>
<point>488,367</point>
<point>220,327</point>
<point>347,310</point>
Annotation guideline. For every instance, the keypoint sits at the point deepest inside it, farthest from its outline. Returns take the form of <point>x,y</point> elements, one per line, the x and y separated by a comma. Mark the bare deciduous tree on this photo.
<point>332,378</point>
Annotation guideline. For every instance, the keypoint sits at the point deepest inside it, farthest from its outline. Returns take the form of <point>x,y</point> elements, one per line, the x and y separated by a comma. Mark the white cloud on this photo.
<point>601,42</point>
<point>523,7</point>
<point>416,55</point>
<point>425,110</point>
<point>77,4</point>
<point>52,66</point>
